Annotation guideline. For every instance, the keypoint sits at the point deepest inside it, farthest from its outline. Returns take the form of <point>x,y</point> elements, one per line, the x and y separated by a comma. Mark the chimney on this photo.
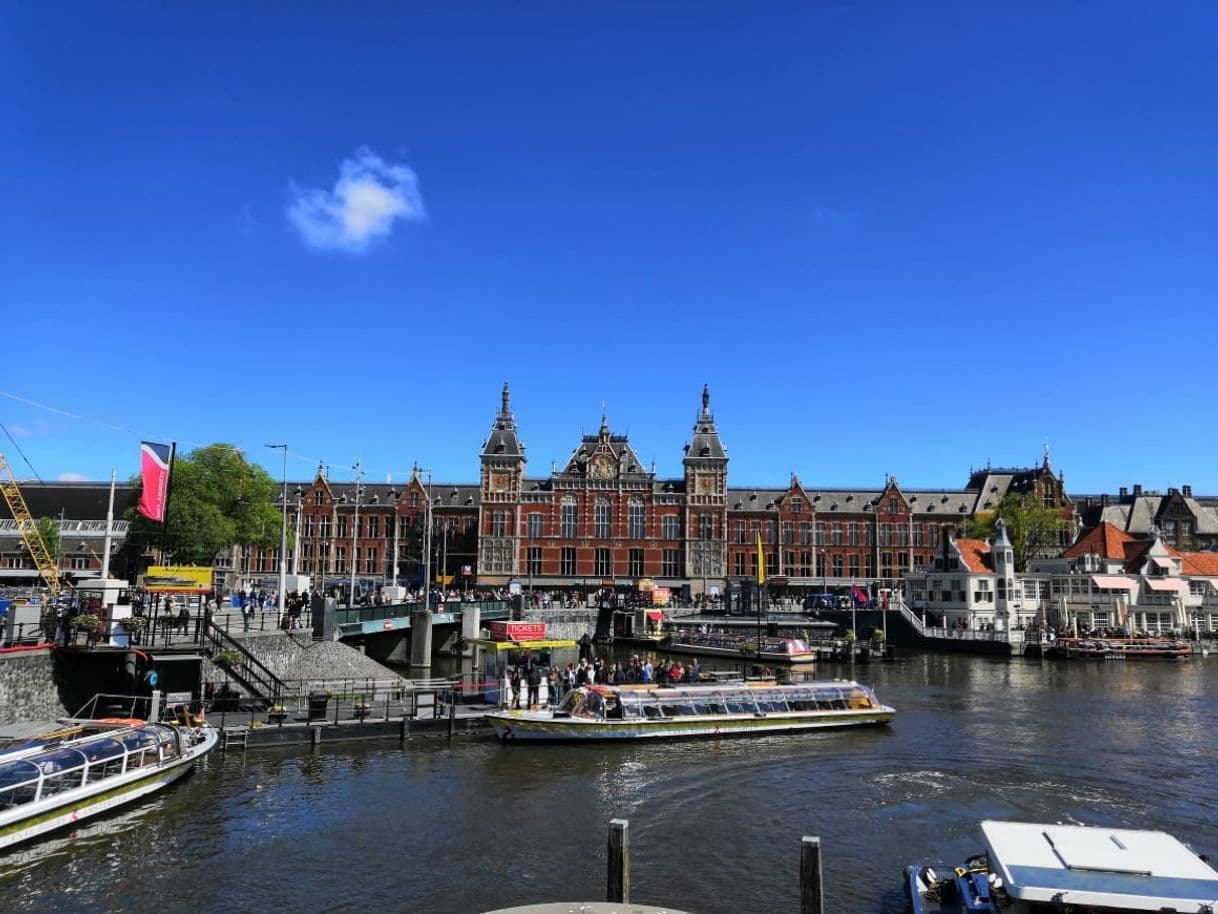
<point>1124,492</point>
<point>1104,501</point>
<point>1188,491</point>
<point>1137,490</point>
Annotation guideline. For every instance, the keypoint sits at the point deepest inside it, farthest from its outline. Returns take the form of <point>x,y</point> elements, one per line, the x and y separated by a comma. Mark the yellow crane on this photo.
<point>43,560</point>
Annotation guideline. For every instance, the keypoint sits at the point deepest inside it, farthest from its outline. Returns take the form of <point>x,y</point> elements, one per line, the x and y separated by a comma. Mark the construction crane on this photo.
<point>43,560</point>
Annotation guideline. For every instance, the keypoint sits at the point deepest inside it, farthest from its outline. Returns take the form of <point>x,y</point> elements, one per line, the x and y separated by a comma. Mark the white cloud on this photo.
<point>19,431</point>
<point>73,477</point>
<point>370,196</point>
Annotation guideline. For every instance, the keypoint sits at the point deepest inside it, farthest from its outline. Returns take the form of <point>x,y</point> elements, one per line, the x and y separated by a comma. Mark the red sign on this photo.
<point>518,631</point>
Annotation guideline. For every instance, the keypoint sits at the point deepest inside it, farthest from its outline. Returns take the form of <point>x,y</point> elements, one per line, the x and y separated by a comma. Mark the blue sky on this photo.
<point>892,238</point>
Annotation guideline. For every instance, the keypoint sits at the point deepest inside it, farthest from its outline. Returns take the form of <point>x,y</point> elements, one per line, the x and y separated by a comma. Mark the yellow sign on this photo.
<point>178,579</point>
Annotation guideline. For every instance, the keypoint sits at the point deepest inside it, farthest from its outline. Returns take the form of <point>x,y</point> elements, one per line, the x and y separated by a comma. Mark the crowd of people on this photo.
<point>525,678</point>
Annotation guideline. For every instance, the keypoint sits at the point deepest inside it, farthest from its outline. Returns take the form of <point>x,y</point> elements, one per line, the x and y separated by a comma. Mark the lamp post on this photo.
<point>397,523</point>
<point>283,529</point>
<point>359,470</point>
<point>426,543</point>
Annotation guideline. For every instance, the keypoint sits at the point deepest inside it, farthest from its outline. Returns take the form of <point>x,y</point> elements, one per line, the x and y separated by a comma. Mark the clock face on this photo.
<point>706,484</point>
<point>499,482</point>
<point>603,466</point>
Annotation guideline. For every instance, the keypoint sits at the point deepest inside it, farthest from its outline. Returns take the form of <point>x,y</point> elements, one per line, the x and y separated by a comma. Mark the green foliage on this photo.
<point>216,500</point>
<point>86,622</point>
<point>48,529</point>
<point>1030,525</point>
<point>226,659</point>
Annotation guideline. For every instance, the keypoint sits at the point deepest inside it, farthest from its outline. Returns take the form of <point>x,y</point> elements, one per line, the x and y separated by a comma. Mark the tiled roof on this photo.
<point>1105,540</point>
<point>973,553</point>
<point>1200,563</point>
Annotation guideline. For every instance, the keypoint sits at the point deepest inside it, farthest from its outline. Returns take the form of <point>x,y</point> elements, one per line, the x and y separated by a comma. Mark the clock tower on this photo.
<point>502,479</point>
<point>705,501</point>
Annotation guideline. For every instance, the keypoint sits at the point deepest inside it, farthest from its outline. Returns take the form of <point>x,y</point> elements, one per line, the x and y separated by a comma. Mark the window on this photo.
<point>885,534</point>
<point>636,520</point>
<point>805,564</point>
<point>742,532</point>
<point>672,527</point>
<point>867,535</point>
<point>837,534</point>
<point>318,500</point>
<point>852,533</point>
<point>308,526</point>
<point>534,560</point>
<point>820,533</point>
<point>603,519</point>
<point>570,518</point>
<point>738,562</point>
<point>604,563</point>
<point>535,526</point>
<point>342,526</point>
<point>797,504</point>
<point>934,536</point>
<point>788,532</point>
<point>894,506</point>
<point>854,566</point>
<point>340,563</point>
<point>917,534</point>
<point>636,563</point>
<point>672,563</point>
<point>805,533</point>
<point>567,563</point>
<point>902,533</point>
<point>837,566</point>
<point>868,566</point>
<point>414,499</point>
<point>370,566</point>
<point>499,523</point>
<point>706,527</point>
<point>325,527</point>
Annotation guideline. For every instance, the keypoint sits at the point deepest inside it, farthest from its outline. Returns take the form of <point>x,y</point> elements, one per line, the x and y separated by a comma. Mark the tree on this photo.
<point>1030,525</point>
<point>48,529</point>
<point>216,500</point>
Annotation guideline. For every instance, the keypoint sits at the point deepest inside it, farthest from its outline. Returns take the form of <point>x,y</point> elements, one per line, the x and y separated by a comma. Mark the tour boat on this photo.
<point>742,647</point>
<point>1123,648</point>
<point>1029,868</point>
<point>89,767</point>
<point>604,712</point>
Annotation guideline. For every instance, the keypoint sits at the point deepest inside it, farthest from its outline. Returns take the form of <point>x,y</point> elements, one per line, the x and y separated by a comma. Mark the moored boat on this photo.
<point>90,767</point>
<point>742,647</point>
<point>642,712</point>
<point>1029,868</point>
<point>1121,648</point>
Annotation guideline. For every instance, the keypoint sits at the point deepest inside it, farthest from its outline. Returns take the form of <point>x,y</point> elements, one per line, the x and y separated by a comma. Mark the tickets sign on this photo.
<point>518,631</point>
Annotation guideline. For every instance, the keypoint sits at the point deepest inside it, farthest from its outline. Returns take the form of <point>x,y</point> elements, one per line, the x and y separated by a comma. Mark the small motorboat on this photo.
<point>968,889</point>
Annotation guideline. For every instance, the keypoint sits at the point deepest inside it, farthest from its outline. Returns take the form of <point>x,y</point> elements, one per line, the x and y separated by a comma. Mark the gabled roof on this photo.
<point>1106,540</point>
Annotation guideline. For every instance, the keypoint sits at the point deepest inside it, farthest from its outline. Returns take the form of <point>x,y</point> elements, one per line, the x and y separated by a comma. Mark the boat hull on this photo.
<point>703,650</point>
<point>26,823</point>
<point>527,726</point>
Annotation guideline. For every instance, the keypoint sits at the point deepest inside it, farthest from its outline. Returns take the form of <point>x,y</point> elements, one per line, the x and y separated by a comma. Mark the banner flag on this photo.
<point>154,468</point>
<point>860,595</point>
<point>760,561</point>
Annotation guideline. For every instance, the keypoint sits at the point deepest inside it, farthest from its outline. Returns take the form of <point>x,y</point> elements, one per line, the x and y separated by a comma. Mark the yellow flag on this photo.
<point>760,561</point>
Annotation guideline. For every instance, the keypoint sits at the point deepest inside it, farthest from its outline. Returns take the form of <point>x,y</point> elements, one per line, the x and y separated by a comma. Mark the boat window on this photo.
<point>594,705</point>
<point>59,760</point>
<point>18,783</point>
<point>631,705</point>
<point>571,701</point>
<point>771,700</point>
<point>652,711</point>
<point>99,749</point>
<point>740,703</point>
<point>138,739</point>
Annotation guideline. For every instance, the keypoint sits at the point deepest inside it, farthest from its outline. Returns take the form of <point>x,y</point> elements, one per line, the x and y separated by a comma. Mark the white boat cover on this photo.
<point>1129,870</point>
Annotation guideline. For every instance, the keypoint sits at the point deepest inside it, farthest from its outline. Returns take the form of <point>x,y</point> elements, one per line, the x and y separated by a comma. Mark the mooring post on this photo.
<point>811,885</point>
<point>617,889</point>
<point>452,718</point>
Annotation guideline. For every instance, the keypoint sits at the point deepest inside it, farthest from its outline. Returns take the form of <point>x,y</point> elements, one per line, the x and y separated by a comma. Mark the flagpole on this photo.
<point>173,452</point>
<point>105,567</point>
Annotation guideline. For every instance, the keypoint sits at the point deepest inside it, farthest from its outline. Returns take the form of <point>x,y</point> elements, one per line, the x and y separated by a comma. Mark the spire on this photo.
<point>604,431</point>
<point>503,441</point>
<point>505,410</point>
<point>705,444</point>
<point>706,399</point>
<point>1000,540</point>
<point>1047,464</point>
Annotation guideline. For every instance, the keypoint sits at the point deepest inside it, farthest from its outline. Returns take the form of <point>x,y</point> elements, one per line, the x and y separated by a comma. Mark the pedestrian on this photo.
<point>514,682</point>
<point>533,679</point>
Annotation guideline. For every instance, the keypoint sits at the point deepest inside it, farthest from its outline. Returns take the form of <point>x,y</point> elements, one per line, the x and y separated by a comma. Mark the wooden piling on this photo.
<point>811,883</point>
<point>617,889</point>
<point>452,718</point>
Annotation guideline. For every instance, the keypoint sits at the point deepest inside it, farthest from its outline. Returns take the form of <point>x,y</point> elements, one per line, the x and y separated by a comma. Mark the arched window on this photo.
<point>636,519</point>
<point>604,514</point>
<point>570,517</point>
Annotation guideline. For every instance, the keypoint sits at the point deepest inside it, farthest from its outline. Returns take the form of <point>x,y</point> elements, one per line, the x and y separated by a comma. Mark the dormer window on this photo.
<point>797,504</point>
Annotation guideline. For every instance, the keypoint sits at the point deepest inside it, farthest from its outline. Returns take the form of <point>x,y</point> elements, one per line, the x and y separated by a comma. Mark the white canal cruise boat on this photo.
<point>644,712</point>
<point>90,767</point>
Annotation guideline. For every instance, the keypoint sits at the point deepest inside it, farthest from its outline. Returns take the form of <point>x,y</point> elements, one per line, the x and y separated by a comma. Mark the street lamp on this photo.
<point>283,528</point>
<point>426,542</point>
<point>397,523</point>
<point>359,471</point>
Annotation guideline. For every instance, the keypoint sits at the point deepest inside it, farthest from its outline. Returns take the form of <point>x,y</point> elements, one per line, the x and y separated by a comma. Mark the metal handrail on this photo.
<point>251,671</point>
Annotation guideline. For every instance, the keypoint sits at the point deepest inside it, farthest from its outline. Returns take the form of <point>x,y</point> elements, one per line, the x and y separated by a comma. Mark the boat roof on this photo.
<point>1126,869</point>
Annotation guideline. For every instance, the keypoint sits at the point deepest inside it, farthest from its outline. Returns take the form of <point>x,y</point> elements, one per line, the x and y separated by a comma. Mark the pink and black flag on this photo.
<point>155,461</point>
<point>860,595</point>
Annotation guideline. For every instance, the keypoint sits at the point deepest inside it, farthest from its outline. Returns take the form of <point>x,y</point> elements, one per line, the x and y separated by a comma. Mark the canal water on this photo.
<point>715,826</point>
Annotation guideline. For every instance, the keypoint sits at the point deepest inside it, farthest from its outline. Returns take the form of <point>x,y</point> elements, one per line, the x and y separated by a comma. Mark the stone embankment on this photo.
<point>28,688</point>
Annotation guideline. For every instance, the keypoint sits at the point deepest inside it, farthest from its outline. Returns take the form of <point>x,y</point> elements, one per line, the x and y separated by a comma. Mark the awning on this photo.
<point>655,615</point>
<point>1163,562</point>
<point>1112,582</point>
<point>542,644</point>
<point>1167,584</point>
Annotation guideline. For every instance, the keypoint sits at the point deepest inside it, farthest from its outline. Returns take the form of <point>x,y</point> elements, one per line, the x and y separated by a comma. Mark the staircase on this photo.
<point>250,673</point>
